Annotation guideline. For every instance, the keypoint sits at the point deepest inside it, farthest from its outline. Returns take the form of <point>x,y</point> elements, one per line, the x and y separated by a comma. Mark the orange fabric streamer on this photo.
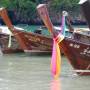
<point>56,57</point>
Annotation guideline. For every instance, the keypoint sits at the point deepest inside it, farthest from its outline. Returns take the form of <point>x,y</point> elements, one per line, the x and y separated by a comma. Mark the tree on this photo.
<point>64,4</point>
<point>24,9</point>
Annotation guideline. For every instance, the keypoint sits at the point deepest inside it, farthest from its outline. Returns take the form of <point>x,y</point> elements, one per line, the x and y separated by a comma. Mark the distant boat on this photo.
<point>77,47</point>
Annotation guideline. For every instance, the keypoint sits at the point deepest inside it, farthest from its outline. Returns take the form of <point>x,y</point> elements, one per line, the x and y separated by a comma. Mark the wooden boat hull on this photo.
<point>4,41</point>
<point>78,54</point>
<point>35,42</point>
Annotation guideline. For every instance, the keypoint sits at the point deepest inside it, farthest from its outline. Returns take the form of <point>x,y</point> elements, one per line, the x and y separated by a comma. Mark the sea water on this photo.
<point>32,72</point>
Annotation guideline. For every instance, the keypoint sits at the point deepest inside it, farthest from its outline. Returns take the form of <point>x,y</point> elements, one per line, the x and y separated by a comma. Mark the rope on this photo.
<point>83,71</point>
<point>10,39</point>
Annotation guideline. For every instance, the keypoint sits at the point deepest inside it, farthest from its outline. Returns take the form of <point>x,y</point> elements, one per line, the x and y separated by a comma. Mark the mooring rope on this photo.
<point>83,71</point>
<point>10,41</point>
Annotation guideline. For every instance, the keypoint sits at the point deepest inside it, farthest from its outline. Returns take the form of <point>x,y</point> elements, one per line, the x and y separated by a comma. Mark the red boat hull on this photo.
<point>78,54</point>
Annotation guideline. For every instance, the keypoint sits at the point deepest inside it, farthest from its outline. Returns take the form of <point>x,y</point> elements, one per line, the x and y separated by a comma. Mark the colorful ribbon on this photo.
<point>56,57</point>
<point>63,27</point>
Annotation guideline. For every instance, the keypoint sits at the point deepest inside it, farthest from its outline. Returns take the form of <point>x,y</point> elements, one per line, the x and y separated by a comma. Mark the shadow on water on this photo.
<point>32,54</point>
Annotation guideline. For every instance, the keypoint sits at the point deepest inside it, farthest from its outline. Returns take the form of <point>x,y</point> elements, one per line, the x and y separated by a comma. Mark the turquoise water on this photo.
<point>44,31</point>
<point>32,28</point>
<point>27,72</point>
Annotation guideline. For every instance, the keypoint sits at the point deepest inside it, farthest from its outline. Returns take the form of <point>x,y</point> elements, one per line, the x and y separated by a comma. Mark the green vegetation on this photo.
<point>64,4</point>
<point>25,10</point>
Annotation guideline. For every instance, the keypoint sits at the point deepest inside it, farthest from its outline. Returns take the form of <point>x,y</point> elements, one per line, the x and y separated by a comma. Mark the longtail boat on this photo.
<point>29,42</point>
<point>77,47</point>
